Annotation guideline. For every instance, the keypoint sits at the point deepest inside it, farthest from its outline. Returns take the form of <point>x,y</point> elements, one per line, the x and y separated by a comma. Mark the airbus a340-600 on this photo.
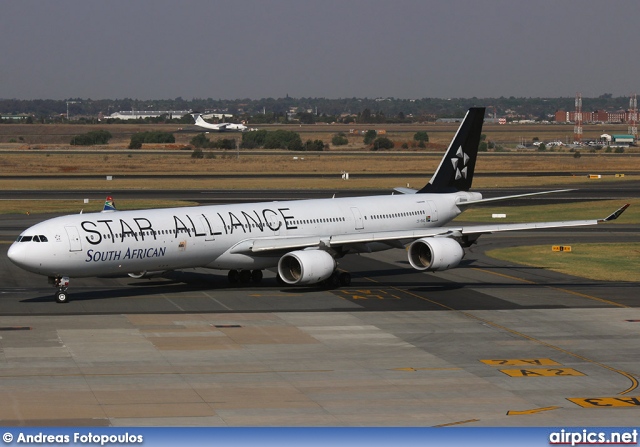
<point>302,239</point>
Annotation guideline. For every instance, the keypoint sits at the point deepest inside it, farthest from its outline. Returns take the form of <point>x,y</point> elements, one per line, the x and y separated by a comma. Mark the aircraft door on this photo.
<point>433,213</point>
<point>358,218</point>
<point>74,239</point>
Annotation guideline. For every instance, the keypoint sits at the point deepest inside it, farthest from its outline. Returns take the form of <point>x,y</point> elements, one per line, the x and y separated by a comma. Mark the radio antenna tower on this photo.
<point>633,116</point>
<point>577,129</point>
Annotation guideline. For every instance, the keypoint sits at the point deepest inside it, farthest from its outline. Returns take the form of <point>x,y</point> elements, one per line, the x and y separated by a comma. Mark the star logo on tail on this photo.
<point>461,168</point>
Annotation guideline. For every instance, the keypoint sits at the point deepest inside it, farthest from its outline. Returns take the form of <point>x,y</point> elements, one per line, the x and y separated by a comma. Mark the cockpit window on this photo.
<point>36,238</point>
<point>43,238</point>
<point>26,238</point>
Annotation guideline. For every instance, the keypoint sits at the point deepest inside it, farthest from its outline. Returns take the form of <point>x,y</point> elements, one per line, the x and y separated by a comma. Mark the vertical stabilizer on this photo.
<point>455,172</point>
<point>109,205</point>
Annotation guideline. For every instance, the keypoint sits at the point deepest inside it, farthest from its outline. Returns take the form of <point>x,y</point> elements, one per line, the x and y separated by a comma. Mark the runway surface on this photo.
<point>485,344</point>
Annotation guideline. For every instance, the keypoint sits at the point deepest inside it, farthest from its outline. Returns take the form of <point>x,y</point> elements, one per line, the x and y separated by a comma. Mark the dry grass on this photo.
<point>335,183</point>
<point>565,211</point>
<point>622,261</point>
<point>180,162</point>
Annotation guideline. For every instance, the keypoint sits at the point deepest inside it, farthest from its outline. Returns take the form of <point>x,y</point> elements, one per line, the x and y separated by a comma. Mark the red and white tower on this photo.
<point>577,128</point>
<point>633,116</point>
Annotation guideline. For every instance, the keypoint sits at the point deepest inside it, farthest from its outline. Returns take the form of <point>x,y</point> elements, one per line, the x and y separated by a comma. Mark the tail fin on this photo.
<point>455,172</point>
<point>109,205</point>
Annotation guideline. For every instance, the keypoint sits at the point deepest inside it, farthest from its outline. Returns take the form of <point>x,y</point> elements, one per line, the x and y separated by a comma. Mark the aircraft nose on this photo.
<point>15,254</point>
<point>19,254</point>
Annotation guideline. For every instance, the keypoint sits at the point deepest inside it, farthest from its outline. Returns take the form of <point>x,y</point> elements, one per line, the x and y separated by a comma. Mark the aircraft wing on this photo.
<point>266,245</point>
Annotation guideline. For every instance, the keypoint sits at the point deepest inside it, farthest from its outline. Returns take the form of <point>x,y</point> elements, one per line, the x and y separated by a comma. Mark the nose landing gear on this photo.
<point>62,284</point>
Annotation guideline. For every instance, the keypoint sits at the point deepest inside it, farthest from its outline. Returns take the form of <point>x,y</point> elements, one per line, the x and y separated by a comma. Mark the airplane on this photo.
<point>222,127</point>
<point>302,239</point>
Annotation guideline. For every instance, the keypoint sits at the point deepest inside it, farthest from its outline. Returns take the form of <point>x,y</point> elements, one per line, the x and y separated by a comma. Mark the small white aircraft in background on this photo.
<point>303,239</point>
<point>221,127</point>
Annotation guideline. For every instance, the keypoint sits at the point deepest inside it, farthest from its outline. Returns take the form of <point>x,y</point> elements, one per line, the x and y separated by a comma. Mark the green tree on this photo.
<point>369,136</point>
<point>283,139</point>
<point>200,141</point>
<point>382,143</point>
<point>138,139</point>
<point>339,139</point>
<point>422,136</point>
<point>227,143</point>
<point>91,138</point>
<point>254,139</point>
<point>307,118</point>
<point>315,145</point>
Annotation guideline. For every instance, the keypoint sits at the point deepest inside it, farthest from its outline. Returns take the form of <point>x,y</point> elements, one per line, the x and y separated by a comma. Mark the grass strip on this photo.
<point>601,262</point>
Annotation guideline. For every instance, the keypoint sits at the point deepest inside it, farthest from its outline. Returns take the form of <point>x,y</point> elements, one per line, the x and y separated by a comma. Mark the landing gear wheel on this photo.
<point>333,281</point>
<point>245,276</point>
<point>280,281</point>
<point>344,279</point>
<point>62,297</point>
<point>233,276</point>
<point>256,276</point>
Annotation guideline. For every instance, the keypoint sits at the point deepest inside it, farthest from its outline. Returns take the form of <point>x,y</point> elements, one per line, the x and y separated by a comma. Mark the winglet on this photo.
<point>109,205</point>
<point>615,214</point>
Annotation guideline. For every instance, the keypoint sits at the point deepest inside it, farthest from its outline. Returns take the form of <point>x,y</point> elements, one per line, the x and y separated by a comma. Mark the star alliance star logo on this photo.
<point>460,156</point>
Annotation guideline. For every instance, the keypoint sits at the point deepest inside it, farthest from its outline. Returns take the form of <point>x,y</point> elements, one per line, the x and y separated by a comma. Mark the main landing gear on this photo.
<point>62,284</point>
<point>244,276</point>
<point>337,279</point>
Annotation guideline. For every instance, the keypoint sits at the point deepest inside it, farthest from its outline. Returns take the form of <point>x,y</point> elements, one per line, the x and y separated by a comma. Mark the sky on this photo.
<point>158,49</point>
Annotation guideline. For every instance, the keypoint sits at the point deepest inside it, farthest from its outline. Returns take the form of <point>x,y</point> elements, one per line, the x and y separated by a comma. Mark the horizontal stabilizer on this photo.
<point>402,190</point>
<point>496,199</point>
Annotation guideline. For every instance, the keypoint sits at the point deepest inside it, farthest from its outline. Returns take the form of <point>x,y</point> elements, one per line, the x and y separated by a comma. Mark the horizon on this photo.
<point>407,49</point>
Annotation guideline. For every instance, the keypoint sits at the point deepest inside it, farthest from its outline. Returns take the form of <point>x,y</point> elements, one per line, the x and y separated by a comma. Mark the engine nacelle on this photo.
<point>145,274</point>
<point>306,267</point>
<point>435,254</point>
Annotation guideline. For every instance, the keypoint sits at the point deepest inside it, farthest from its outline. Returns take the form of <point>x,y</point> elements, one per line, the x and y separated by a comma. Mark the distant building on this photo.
<point>599,116</point>
<point>142,114</point>
<point>16,117</point>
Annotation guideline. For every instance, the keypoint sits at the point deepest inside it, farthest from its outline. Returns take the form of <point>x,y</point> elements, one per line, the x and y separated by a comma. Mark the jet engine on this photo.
<point>305,267</point>
<point>435,254</point>
<point>145,274</point>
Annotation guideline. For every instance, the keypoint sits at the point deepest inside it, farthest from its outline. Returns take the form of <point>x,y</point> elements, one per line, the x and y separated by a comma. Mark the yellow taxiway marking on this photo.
<point>276,295</point>
<point>542,372</point>
<point>634,381</point>
<point>605,402</point>
<point>520,362</point>
<point>532,411</point>
<point>457,423</point>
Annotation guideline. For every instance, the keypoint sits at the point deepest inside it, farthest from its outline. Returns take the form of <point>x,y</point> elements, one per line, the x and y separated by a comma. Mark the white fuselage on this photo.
<point>125,242</point>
